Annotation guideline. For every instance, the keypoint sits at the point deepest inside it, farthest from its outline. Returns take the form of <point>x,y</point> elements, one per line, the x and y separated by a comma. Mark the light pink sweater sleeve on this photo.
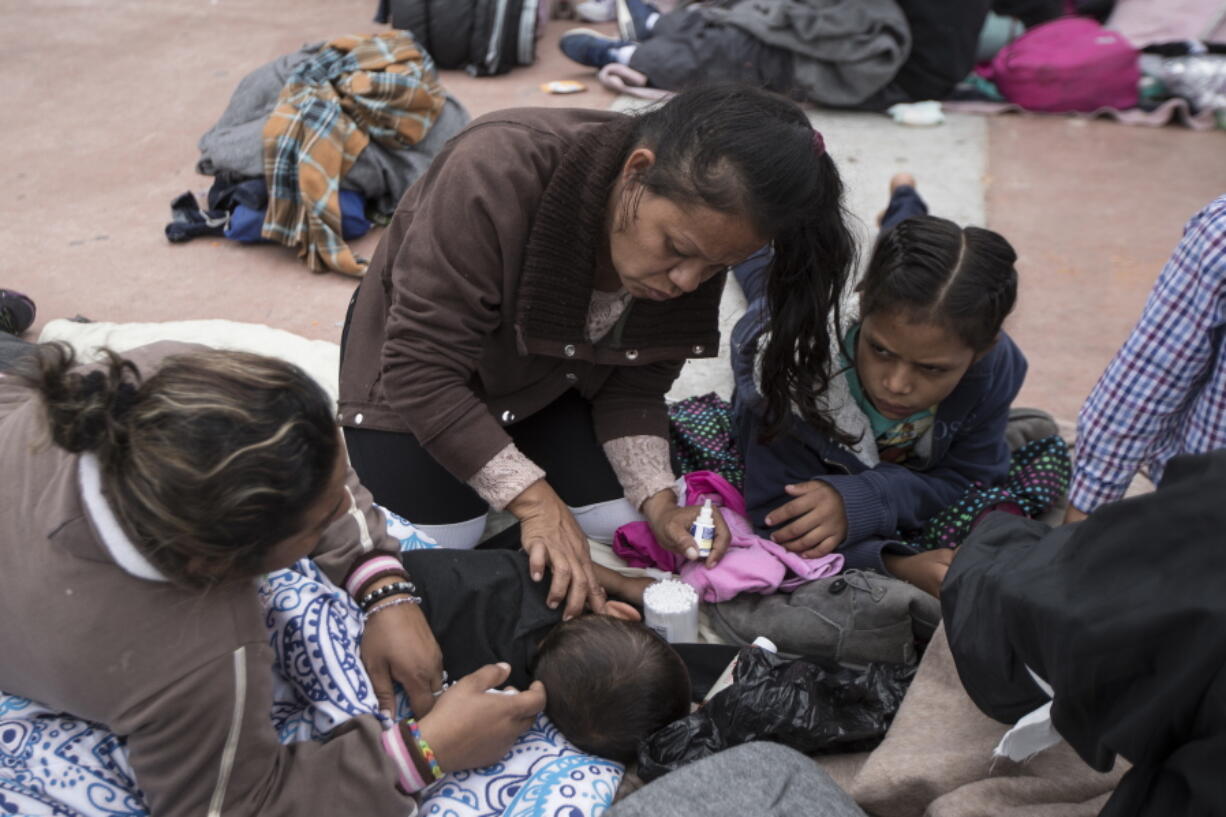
<point>642,466</point>
<point>505,477</point>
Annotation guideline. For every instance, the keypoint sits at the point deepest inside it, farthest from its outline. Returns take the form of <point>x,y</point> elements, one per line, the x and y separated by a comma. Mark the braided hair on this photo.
<point>961,278</point>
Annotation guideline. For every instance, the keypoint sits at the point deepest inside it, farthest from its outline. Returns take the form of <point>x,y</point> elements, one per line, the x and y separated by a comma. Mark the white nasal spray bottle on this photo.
<point>703,530</point>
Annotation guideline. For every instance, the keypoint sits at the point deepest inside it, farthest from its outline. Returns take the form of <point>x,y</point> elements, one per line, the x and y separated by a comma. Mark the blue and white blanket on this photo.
<point>55,764</point>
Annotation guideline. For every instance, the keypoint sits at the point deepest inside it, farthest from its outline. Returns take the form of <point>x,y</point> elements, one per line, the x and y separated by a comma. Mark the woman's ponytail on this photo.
<point>85,410</point>
<point>742,150</point>
<point>813,262</point>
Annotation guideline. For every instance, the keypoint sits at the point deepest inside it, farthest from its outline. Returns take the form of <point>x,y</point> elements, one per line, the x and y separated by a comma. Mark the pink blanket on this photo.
<point>751,565</point>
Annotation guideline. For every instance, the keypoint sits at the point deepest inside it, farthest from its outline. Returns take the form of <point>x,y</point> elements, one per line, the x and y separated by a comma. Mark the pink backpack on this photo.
<point>1069,64</point>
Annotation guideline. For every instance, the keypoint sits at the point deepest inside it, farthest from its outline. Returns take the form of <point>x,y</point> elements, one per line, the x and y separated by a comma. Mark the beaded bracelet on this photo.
<point>379,567</point>
<point>411,779</point>
<point>389,603</point>
<point>386,590</point>
<point>426,751</point>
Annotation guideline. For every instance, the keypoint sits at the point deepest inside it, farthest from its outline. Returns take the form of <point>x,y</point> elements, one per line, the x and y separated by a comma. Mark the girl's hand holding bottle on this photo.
<point>814,523</point>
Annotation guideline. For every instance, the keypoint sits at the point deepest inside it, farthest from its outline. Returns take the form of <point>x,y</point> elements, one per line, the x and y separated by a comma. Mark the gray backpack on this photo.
<point>853,618</point>
<point>484,37</point>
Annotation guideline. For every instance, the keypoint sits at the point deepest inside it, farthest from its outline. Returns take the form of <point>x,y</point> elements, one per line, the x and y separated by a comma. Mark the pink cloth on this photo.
<point>1144,21</point>
<point>702,485</point>
<point>623,79</point>
<point>1172,111</point>
<point>751,565</point>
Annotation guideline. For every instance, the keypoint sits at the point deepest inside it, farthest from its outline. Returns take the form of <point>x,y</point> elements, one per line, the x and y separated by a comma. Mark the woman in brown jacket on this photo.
<point>540,288</point>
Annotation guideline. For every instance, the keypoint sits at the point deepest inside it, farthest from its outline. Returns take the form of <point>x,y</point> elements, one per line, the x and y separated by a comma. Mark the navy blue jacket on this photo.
<point>968,447</point>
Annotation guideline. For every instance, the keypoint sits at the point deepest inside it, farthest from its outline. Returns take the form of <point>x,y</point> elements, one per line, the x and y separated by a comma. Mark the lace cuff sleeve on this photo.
<point>505,477</point>
<point>642,466</point>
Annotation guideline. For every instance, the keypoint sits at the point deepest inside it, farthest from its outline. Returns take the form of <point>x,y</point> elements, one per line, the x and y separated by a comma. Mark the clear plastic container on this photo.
<point>671,610</point>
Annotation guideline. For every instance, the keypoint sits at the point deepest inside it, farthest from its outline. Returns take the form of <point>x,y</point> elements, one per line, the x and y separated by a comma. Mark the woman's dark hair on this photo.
<point>610,683</point>
<point>934,271</point>
<point>207,463</point>
<point>738,149</point>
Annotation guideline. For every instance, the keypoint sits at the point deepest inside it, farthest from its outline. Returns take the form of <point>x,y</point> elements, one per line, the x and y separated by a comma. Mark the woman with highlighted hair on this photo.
<point>143,498</point>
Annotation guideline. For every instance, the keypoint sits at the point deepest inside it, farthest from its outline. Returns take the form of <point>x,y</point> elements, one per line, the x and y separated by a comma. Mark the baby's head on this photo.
<point>610,683</point>
<point>932,302</point>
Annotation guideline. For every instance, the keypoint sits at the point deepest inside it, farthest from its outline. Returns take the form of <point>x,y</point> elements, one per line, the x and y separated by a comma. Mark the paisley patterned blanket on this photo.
<point>54,764</point>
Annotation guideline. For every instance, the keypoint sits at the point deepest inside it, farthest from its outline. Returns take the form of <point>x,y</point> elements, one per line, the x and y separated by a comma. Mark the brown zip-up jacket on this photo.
<point>472,312</point>
<point>185,677</point>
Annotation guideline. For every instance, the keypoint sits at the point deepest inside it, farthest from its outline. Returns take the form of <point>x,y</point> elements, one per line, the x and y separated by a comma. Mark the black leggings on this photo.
<point>560,438</point>
<point>404,478</point>
<point>14,352</point>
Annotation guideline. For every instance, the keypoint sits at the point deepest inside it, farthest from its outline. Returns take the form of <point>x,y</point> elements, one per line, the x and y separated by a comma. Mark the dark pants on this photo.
<point>561,439</point>
<point>686,49</point>
<point>13,350</point>
<point>404,478</point>
<point>905,202</point>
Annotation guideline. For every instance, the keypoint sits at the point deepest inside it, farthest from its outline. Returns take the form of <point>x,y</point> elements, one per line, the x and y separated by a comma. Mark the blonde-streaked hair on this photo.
<point>208,462</point>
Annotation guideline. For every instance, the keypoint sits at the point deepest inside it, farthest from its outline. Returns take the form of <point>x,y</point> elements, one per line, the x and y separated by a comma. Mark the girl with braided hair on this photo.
<point>915,406</point>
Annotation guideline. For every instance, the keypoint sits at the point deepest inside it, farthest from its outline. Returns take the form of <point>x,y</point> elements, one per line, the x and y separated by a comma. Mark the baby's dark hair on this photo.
<point>961,278</point>
<point>610,683</point>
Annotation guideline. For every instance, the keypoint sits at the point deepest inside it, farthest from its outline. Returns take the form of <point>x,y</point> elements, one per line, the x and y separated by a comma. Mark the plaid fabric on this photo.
<point>357,88</point>
<point>1164,394</point>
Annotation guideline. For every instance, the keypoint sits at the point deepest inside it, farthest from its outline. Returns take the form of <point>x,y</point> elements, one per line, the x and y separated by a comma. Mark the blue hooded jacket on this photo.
<point>966,448</point>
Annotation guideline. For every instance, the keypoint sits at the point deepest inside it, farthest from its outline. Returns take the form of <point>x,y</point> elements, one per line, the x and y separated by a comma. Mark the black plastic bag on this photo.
<point>809,706</point>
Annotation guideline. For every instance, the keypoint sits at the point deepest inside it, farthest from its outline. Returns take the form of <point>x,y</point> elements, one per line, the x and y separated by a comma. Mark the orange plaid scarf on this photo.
<point>357,88</point>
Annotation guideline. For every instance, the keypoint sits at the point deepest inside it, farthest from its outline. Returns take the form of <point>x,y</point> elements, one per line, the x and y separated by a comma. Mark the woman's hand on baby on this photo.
<point>814,523</point>
<point>671,527</point>
<point>470,728</point>
<point>552,538</point>
<point>397,645</point>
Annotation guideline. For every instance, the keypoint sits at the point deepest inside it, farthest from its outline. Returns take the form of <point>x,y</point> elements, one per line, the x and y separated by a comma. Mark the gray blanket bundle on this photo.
<point>235,144</point>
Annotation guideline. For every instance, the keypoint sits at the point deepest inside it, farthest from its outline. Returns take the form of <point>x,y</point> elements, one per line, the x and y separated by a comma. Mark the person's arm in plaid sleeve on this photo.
<point>1141,397</point>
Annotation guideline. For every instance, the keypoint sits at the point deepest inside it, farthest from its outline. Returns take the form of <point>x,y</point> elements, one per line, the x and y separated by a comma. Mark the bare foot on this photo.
<point>896,181</point>
<point>924,570</point>
<point>901,180</point>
